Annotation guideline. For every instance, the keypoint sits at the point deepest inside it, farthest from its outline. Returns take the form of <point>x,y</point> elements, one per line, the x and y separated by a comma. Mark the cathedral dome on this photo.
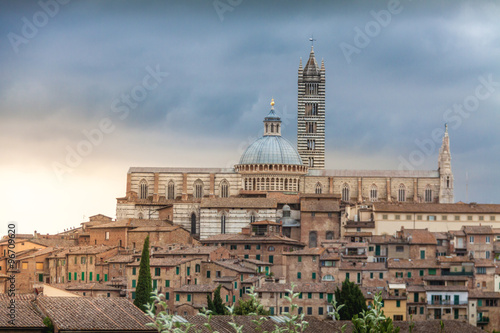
<point>271,149</point>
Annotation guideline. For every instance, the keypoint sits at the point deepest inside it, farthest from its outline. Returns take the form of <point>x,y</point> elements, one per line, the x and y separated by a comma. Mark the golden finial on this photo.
<point>272,103</point>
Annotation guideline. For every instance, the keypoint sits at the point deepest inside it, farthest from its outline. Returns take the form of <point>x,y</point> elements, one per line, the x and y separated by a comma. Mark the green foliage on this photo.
<point>216,306</point>
<point>163,322</point>
<point>144,288</point>
<point>352,298</point>
<point>48,323</point>
<point>373,320</point>
<point>249,306</point>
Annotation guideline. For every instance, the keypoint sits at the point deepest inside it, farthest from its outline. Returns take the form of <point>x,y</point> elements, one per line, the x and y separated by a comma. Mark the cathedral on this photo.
<point>272,175</point>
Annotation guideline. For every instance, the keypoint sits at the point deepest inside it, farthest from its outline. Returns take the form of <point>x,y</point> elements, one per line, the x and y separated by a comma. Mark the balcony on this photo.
<point>483,320</point>
<point>460,273</point>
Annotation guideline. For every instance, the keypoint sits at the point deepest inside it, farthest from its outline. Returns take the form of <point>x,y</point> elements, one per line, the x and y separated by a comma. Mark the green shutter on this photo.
<point>133,295</point>
<point>40,277</point>
<point>300,258</point>
<point>208,274</point>
<point>257,257</point>
<point>241,277</point>
<point>347,276</point>
<point>133,283</point>
<point>134,270</point>
<point>167,296</point>
<point>105,277</point>
<point>90,276</point>
<point>421,310</point>
<point>432,271</point>
<point>299,275</point>
<point>177,297</point>
<point>69,276</point>
<point>155,284</point>
<point>422,254</point>
<point>246,256</point>
<point>320,295</point>
<point>188,271</point>
<point>83,276</point>
<point>189,298</point>
<point>398,303</point>
<point>235,285</point>
<point>380,275</point>
<point>371,275</point>
<point>409,274</point>
<point>97,277</point>
<point>330,298</point>
<point>479,302</point>
<point>75,276</point>
<point>271,310</point>
<point>421,272</point>
<point>177,270</point>
<point>167,283</point>
<point>271,259</point>
<point>300,296</point>
<point>234,298</point>
<point>415,297</point>
<point>314,276</point>
<point>309,295</point>
<point>227,298</point>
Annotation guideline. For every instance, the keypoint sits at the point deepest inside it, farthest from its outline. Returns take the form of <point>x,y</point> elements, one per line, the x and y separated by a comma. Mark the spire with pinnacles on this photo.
<point>444,168</point>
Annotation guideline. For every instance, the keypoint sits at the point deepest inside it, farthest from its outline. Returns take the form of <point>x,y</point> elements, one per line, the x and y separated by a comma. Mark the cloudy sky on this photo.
<point>88,89</point>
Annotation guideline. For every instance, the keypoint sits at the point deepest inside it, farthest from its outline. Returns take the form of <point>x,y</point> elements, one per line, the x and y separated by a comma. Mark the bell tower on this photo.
<point>445,175</point>
<point>311,112</point>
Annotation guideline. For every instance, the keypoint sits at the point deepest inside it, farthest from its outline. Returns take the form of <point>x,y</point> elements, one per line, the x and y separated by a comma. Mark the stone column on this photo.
<point>415,190</point>
<point>360,190</point>
<point>184,186</point>
<point>155,191</point>
<point>388,189</point>
<point>211,194</point>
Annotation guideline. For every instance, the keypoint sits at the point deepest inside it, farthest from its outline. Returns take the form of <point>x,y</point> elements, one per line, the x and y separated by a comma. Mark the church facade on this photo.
<point>273,173</point>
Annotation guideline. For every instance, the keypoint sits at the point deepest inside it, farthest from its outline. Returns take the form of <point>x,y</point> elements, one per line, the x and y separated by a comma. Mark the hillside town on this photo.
<point>277,219</point>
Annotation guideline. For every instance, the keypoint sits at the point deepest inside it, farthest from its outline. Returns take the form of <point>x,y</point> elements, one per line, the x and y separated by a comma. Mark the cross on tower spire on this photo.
<point>312,40</point>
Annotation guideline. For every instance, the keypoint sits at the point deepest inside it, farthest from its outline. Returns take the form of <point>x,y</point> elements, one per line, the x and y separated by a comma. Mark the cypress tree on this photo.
<point>144,287</point>
<point>351,296</point>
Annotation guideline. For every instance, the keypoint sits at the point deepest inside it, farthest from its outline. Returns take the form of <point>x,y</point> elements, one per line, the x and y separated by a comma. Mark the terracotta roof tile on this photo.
<point>310,205</point>
<point>197,288</point>
<point>477,229</point>
<point>94,314</point>
<point>412,263</point>
<point>26,314</point>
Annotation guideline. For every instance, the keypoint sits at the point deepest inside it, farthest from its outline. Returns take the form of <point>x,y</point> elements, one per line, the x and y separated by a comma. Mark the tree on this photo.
<point>251,305</point>
<point>216,305</point>
<point>144,288</point>
<point>351,296</point>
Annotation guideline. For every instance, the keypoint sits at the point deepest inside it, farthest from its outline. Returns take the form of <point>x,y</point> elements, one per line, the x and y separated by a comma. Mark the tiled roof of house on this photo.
<point>484,263</point>
<point>258,262</point>
<point>419,236</point>
<point>446,288</point>
<point>26,314</point>
<point>132,223</point>
<point>121,258</point>
<point>362,266</point>
<point>477,229</point>
<point>227,238</point>
<point>235,265</point>
<point>190,250</point>
<point>94,314</point>
<point>314,205</point>
<point>330,254</point>
<point>93,249</point>
<point>476,293</point>
<point>72,286</point>
<point>226,279</point>
<point>370,293</point>
<point>429,208</point>
<point>304,287</point>
<point>412,263</point>
<point>163,262</point>
<point>312,251</point>
<point>238,203</point>
<point>197,288</point>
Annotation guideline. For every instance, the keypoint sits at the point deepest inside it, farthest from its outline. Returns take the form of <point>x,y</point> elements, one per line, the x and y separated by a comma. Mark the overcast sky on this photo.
<point>176,84</point>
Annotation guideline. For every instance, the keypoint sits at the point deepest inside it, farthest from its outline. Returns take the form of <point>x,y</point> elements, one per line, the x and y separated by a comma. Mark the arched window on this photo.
<point>373,193</point>
<point>252,217</point>
<point>319,188</point>
<point>272,128</point>
<point>402,193</point>
<point>171,190</point>
<point>328,278</point>
<point>198,189</point>
<point>329,235</point>
<point>197,268</point>
<point>223,224</point>
<point>447,181</point>
<point>193,224</point>
<point>141,216</point>
<point>270,248</point>
<point>311,162</point>
<point>345,192</point>
<point>428,194</point>
<point>143,189</point>
<point>224,189</point>
<point>313,239</point>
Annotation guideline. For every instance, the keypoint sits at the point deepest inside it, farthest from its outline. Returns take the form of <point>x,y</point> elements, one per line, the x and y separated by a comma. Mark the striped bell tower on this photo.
<point>311,113</point>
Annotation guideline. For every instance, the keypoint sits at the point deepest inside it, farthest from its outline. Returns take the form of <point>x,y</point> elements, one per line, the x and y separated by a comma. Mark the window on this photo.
<point>82,260</point>
<point>399,248</point>
<point>347,276</point>
<point>197,268</point>
<point>314,276</point>
<point>177,270</point>
<point>402,193</point>
<point>167,283</point>
<point>398,304</point>
<point>248,247</point>
<point>106,235</point>
<point>421,272</point>
<point>134,270</point>
<point>133,295</point>
<point>471,239</point>
<point>488,254</point>
<point>397,217</point>
<point>311,162</point>
<point>143,189</point>
<point>311,109</point>
<point>258,246</point>
<point>481,270</point>
<point>432,271</point>
<point>469,218</point>
<point>271,259</point>
<point>320,311</point>
<point>487,239</point>
<point>409,274</point>
<point>492,218</point>
<point>345,192</point>
<point>171,190</point>
<point>223,224</point>
<point>177,297</point>
<point>300,295</point>
<point>198,189</point>
<point>421,310</point>
<point>371,275</point>
<point>428,194</point>
<point>311,88</point>
<point>380,275</point>
<point>157,271</point>
<point>105,277</point>
<point>83,276</point>
<point>299,258</point>
<point>373,193</point>
<point>224,189</point>
<point>217,274</point>
<point>299,275</point>
<point>422,254</point>
<point>444,217</point>
<point>408,217</point>
<point>270,248</point>
<point>208,274</point>
<point>398,317</point>
<point>319,188</point>
<point>310,127</point>
<point>431,217</point>
<point>309,295</point>
<point>385,216</point>
<point>134,283</point>
<point>329,235</point>
<point>188,271</point>
<point>257,256</point>
<point>309,310</point>
<point>97,277</point>
<point>481,218</point>
<point>233,247</point>
<point>313,239</point>
<point>90,276</point>
<point>189,297</point>
<point>328,278</point>
<point>311,144</point>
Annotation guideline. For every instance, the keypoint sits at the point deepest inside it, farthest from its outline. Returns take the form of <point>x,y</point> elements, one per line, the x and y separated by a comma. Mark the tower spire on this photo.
<point>444,167</point>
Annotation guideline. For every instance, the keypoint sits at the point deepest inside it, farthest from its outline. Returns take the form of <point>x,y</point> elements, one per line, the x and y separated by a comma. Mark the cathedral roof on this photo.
<point>271,150</point>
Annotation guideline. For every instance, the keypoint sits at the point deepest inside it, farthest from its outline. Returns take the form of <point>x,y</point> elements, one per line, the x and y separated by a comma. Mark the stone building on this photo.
<point>211,201</point>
